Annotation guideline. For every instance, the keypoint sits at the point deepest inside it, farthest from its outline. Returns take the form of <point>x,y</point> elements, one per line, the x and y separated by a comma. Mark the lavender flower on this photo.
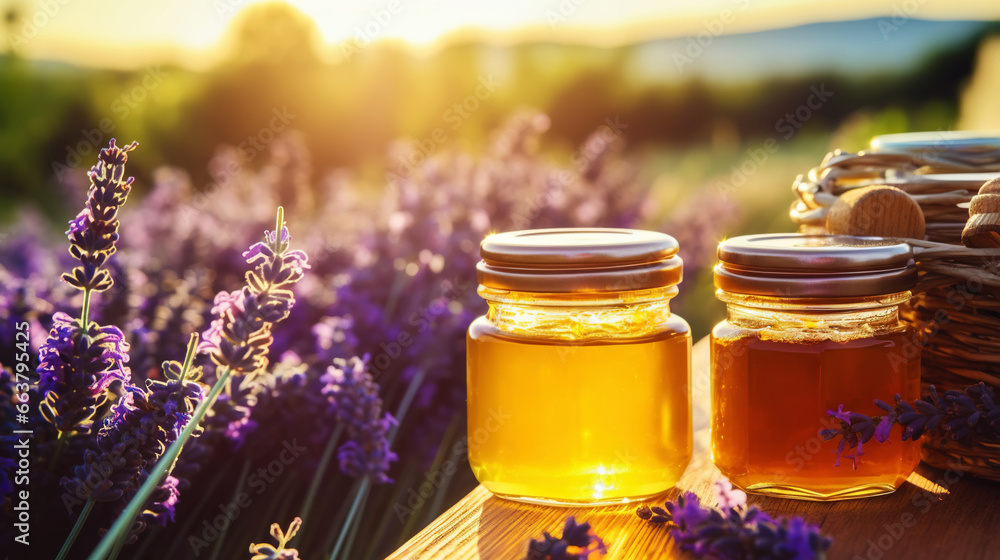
<point>94,232</point>
<point>162,505</point>
<point>956,415</point>
<point>142,424</point>
<point>269,552</point>
<point>577,542</point>
<point>77,362</point>
<point>355,401</point>
<point>75,371</point>
<point>735,531</point>
<point>855,430</point>
<point>240,336</point>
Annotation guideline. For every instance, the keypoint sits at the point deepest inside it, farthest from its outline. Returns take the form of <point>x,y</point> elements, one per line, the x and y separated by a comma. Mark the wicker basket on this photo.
<point>957,301</point>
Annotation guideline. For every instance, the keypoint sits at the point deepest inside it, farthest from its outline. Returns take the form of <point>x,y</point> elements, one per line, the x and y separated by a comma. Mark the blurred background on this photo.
<point>693,84</point>
<point>397,133</point>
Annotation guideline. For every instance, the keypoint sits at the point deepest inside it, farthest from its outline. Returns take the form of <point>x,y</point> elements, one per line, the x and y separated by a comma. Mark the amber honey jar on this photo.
<point>579,375</point>
<point>813,323</point>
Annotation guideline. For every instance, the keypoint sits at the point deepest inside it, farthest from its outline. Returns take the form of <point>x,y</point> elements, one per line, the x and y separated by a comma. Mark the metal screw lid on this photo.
<point>795,265</point>
<point>567,260</point>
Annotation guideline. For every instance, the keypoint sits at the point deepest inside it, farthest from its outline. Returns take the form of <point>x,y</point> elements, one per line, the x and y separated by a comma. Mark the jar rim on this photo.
<point>956,142</point>
<point>826,266</point>
<point>565,260</point>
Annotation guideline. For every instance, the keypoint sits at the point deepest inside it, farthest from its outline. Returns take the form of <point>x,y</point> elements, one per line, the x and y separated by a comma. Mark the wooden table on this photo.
<point>936,514</point>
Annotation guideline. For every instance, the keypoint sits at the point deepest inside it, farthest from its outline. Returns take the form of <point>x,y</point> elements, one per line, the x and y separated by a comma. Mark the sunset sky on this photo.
<point>89,32</point>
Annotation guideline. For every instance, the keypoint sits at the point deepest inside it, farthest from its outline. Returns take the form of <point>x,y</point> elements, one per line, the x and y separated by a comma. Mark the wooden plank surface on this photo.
<point>936,514</point>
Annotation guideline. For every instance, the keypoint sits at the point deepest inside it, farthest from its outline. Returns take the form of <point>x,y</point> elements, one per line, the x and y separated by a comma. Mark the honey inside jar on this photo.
<point>786,356</point>
<point>581,395</point>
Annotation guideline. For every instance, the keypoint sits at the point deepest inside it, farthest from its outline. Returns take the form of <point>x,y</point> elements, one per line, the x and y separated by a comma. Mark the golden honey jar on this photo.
<point>813,323</point>
<point>579,375</point>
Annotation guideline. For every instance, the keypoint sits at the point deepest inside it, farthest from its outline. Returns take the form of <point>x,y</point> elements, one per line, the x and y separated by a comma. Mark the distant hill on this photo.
<point>855,47</point>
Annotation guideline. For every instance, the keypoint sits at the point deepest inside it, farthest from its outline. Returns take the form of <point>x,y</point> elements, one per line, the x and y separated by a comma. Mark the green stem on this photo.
<point>85,312</point>
<point>404,481</point>
<point>118,545</point>
<point>324,462</point>
<point>76,529</point>
<point>442,491</point>
<point>236,494</point>
<point>189,356</point>
<point>345,529</point>
<point>404,405</point>
<point>153,480</point>
<point>338,520</point>
<point>443,450</point>
<point>57,452</point>
<point>351,535</point>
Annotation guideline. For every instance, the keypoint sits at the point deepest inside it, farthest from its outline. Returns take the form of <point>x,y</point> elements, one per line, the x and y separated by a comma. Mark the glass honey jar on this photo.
<point>579,375</point>
<point>813,323</point>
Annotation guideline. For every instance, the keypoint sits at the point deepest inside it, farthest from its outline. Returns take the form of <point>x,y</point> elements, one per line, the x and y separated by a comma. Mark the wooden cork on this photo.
<point>879,211</point>
<point>983,228</point>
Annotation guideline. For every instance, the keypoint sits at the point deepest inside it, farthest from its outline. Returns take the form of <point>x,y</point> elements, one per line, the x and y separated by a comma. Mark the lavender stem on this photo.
<point>166,461</point>
<point>359,498</point>
<point>239,489</point>
<point>324,462</point>
<point>76,529</point>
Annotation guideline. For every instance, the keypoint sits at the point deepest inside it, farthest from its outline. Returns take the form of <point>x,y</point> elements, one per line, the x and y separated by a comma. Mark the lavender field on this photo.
<point>268,323</point>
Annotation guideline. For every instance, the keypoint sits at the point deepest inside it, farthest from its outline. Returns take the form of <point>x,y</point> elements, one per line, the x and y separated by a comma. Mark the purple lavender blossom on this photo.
<point>956,415</point>
<point>735,531</point>
<point>240,336</point>
<point>578,542</point>
<point>856,429</point>
<point>94,232</point>
<point>163,503</point>
<point>356,403</point>
<point>76,370</point>
<point>79,359</point>
<point>141,426</point>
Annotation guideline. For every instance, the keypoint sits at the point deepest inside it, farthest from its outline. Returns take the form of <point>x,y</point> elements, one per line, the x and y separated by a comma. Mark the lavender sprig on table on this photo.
<point>578,542</point>
<point>734,531</point>
<point>969,413</point>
